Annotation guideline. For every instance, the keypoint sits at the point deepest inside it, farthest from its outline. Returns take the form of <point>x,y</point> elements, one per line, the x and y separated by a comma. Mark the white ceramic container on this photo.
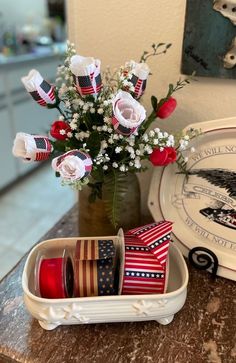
<point>105,309</point>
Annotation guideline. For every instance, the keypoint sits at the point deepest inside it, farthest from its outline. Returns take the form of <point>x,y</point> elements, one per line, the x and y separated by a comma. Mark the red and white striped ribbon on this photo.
<point>146,253</point>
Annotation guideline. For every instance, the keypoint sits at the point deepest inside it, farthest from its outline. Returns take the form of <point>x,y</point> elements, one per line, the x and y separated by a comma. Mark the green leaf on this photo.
<point>114,189</point>
<point>54,105</point>
<point>170,91</point>
<point>154,102</point>
<point>92,197</point>
<point>58,145</point>
<point>98,175</point>
<point>96,192</point>
<point>161,102</point>
<point>171,87</point>
<point>89,98</point>
<point>94,144</point>
<point>160,45</point>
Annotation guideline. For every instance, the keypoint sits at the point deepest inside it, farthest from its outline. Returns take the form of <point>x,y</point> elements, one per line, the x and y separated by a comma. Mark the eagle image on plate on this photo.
<point>220,212</point>
<point>202,204</point>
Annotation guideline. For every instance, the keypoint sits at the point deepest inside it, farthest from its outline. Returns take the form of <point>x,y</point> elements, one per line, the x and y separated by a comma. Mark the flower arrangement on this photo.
<point>103,130</point>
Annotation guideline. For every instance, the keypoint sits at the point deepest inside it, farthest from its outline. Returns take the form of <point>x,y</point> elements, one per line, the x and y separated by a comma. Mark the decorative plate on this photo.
<point>203,206</point>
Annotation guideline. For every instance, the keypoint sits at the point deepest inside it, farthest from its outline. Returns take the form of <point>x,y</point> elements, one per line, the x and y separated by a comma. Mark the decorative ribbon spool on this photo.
<point>146,259</point>
<point>94,268</point>
<point>54,276</point>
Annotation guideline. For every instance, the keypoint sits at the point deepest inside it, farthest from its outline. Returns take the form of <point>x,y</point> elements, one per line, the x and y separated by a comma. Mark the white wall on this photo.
<point>119,30</point>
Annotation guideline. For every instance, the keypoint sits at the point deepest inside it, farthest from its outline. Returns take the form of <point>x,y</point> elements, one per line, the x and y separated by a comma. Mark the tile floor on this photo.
<point>27,211</point>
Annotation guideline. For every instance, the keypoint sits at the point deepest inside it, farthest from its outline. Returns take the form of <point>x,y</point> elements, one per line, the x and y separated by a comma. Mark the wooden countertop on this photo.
<point>203,331</point>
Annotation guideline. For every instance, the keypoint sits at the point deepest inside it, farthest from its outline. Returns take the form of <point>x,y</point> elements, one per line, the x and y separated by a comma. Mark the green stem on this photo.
<point>59,109</point>
<point>144,59</point>
<point>114,221</point>
<point>88,122</point>
<point>182,165</point>
<point>172,89</point>
<point>147,123</point>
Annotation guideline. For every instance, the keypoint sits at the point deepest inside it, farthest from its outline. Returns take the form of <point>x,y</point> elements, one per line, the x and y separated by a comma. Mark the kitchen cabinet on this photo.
<point>19,112</point>
<point>8,164</point>
<point>31,118</point>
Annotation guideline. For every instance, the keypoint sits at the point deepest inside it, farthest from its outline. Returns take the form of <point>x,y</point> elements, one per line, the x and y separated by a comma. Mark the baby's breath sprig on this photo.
<point>183,144</point>
<point>76,184</point>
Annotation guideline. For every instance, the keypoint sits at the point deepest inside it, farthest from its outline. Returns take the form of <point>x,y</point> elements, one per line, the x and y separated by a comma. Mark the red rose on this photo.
<point>59,130</point>
<point>162,158</point>
<point>167,108</point>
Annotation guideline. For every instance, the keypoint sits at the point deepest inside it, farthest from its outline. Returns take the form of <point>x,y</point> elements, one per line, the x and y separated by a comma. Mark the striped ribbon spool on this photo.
<point>146,256</point>
<point>94,268</point>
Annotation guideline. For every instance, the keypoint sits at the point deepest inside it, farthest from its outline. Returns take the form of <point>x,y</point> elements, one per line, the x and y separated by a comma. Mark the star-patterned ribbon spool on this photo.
<point>146,256</point>
<point>94,268</point>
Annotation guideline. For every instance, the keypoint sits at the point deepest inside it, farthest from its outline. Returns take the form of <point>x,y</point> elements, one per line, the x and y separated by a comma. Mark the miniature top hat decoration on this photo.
<point>146,259</point>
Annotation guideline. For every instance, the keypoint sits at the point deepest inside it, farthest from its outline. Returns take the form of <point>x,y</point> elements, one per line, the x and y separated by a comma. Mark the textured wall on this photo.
<point>116,31</point>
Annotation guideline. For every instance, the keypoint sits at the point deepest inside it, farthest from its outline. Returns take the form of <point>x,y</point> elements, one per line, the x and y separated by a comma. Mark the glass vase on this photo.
<point>93,219</point>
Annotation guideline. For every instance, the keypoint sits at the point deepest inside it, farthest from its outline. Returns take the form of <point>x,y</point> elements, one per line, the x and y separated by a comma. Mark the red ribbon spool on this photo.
<point>55,277</point>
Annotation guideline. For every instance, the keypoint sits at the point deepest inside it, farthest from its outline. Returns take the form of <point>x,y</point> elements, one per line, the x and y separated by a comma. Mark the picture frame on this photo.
<point>202,204</point>
<point>209,39</point>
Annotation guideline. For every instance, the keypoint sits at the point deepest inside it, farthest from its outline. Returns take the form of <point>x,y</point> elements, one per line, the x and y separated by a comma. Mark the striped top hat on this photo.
<point>146,259</point>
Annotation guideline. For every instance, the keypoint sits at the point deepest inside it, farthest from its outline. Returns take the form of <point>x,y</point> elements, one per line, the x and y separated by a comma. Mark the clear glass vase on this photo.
<point>93,219</point>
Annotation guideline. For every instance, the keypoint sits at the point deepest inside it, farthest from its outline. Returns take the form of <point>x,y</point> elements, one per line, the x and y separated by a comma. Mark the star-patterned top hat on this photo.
<point>146,259</point>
